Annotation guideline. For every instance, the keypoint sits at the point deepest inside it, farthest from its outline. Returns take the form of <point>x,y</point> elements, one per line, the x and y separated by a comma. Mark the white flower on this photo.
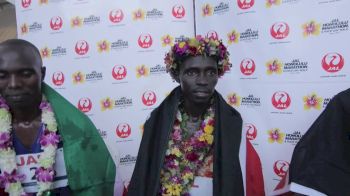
<point>48,118</point>
<point>5,120</point>
<point>7,160</point>
<point>47,158</point>
<point>43,186</point>
<point>14,189</point>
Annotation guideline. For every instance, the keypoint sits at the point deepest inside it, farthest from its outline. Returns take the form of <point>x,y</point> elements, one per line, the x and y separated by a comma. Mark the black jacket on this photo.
<point>321,159</point>
<point>227,177</point>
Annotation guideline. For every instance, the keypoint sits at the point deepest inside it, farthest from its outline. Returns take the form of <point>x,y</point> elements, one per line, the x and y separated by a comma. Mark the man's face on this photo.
<point>198,77</point>
<point>21,75</point>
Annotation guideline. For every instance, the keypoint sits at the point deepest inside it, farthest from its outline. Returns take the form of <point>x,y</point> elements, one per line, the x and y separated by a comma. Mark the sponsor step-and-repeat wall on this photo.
<point>289,59</point>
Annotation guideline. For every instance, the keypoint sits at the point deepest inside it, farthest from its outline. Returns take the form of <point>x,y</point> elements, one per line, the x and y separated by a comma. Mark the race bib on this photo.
<point>202,186</point>
<point>28,163</point>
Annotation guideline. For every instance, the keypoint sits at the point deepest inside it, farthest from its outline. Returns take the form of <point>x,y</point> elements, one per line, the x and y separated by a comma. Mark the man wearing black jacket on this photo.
<point>191,141</point>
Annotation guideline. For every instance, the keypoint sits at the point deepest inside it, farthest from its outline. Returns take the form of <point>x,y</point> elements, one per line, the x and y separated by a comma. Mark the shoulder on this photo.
<point>341,101</point>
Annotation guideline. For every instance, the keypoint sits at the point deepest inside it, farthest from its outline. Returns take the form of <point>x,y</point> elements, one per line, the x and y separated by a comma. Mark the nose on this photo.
<point>14,82</point>
<point>202,80</point>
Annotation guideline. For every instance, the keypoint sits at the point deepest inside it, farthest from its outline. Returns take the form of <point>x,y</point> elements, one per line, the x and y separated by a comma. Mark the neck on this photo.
<point>25,114</point>
<point>195,110</point>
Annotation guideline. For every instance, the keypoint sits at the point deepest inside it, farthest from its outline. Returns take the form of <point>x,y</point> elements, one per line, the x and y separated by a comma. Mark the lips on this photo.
<point>203,93</point>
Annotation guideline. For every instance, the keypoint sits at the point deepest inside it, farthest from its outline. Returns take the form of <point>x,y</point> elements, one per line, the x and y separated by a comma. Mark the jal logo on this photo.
<point>81,47</point>
<point>26,3</point>
<point>281,168</point>
<point>279,30</point>
<point>149,98</point>
<point>58,78</point>
<point>281,100</point>
<point>116,16</point>
<point>245,4</point>
<point>119,72</point>
<point>145,40</point>
<point>84,104</point>
<point>247,66</point>
<point>56,23</point>
<point>178,11</point>
<point>213,35</point>
<point>251,131</point>
<point>123,130</point>
<point>333,62</point>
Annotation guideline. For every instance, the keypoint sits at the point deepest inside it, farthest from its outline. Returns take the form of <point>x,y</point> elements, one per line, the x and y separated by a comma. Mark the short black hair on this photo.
<point>18,43</point>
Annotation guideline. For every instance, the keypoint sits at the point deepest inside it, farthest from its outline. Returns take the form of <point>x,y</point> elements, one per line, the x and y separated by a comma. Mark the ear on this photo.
<point>43,73</point>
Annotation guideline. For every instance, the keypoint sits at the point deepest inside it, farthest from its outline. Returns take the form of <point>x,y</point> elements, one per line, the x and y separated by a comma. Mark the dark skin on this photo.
<point>198,77</point>
<point>21,75</point>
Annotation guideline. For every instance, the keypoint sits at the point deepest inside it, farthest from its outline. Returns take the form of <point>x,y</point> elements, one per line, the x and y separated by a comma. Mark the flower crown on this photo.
<point>195,47</point>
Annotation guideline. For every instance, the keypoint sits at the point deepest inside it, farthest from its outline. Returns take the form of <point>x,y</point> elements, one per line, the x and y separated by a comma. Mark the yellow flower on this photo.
<point>173,189</point>
<point>209,138</point>
<point>312,101</point>
<point>208,129</point>
<point>187,176</point>
<point>175,151</point>
<point>275,135</point>
<point>274,66</point>
<point>182,44</point>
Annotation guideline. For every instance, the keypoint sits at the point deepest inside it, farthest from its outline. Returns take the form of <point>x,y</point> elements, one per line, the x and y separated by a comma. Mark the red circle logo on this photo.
<point>333,62</point>
<point>119,72</point>
<point>245,4</point>
<point>149,98</point>
<point>26,3</point>
<point>279,30</point>
<point>56,23</point>
<point>123,130</point>
<point>251,131</point>
<point>281,100</point>
<point>145,40</point>
<point>58,78</point>
<point>213,35</point>
<point>84,104</point>
<point>178,11</point>
<point>281,168</point>
<point>247,66</point>
<point>116,15</point>
<point>81,47</point>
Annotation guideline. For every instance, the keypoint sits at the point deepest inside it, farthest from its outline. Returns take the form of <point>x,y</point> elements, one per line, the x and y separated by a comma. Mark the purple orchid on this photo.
<point>44,175</point>
<point>49,138</point>
<point>3,103</point>
<point>5,140</point>
<point>45,105</point>
<point>7,178</point>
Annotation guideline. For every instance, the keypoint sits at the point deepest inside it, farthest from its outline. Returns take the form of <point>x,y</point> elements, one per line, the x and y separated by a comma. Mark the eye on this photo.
<point>191,73</point>
<point>212,72</point>
<point>3,75</point>
<point>27,73</point>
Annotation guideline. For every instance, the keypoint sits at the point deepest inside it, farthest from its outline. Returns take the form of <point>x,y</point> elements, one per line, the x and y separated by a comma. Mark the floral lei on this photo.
<point>10,178</point>
<point>185,154</point>
<point>198,46</point>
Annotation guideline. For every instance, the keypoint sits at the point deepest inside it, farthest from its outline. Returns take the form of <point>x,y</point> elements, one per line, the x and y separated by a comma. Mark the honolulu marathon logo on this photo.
<point>103,46</point>
<point>56,23</point>
<point>149,98</point>
<point>275,135</point>
<point>247,35</point>
<point>234,99</point>
<point>140,14</point>
<point>279,30</point>
<point>221,8</point>
<point>281,100</point>
<point>247,66</point>
<point>90,20</point>
<point>280,167</point>
<point>245,4</point>
<point>108,103</point>
<point>81,47</point>
<point>31,28</point>
<point>333,62</point>
<point>85,104</point>
<point>128,160</point>
<point>145,40</point>
<point>251,131</point>
<point>332,27</point>
<point>167,40</point>
<point>276,66</point>
<point>59,51</point>
<point>119,72</point>
<point>312,101</point>
<point>123,130</point>
<point>116,16</point>
<point>79,77</point>
<point>178,11</point>
<point>58,78</point>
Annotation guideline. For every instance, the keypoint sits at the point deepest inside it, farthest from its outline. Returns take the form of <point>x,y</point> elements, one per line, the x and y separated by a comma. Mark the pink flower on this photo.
<point>5,140</point>
<point>3,103</point>
<point>49,138</point>
<point>44,175</point>
<point>45,105</point>
<point>177,135</point>
<point>6,178</point>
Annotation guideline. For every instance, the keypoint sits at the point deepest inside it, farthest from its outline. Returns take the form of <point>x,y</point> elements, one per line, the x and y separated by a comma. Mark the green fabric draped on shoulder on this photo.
<point>90,167</point>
